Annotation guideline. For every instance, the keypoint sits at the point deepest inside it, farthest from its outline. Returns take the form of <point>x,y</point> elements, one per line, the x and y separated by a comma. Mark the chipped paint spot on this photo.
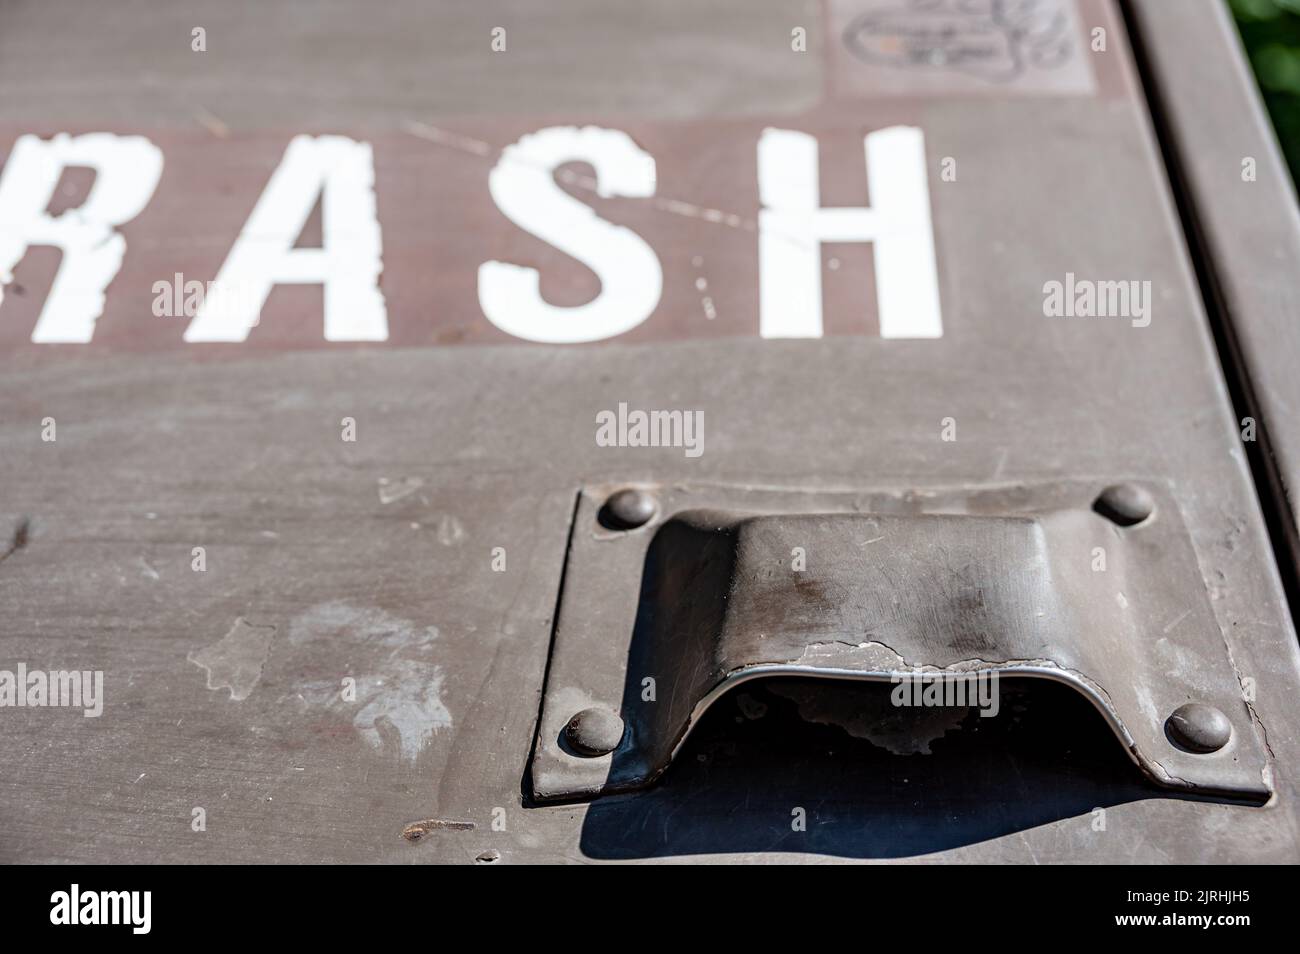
<point>398,702</point>
<point>450,531</point>
<point>857,655</point>
<point>22,532</point>
<point>235,661</point>
<point>417,830</point>
<point>391,490</point>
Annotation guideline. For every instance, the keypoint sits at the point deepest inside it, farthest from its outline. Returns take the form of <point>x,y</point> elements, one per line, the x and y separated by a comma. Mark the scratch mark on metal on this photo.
<point>22,531</point>
<point>391,490</point>
<point>397,699</point>
<point>417,830</point>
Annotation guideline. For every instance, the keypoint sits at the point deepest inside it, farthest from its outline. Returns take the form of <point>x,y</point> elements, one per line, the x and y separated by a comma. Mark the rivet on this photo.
<point>1199,727</point>
<point>595,731</point>
<point>1125,504</point>
<point>630,508</point>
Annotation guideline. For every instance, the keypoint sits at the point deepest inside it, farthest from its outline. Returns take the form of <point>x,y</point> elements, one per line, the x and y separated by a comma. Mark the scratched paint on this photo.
<point>396,698</point>
<point>392,489</point>
<point>235,661</point>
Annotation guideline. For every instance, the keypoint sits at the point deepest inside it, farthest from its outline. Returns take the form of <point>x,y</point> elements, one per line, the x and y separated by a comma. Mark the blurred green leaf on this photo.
<point>1278,68</point>
<point>1270,30</point>
<point>1255,9</point>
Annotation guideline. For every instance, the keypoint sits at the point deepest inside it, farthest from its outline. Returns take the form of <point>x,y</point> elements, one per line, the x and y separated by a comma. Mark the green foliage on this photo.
<point>1271,31</point>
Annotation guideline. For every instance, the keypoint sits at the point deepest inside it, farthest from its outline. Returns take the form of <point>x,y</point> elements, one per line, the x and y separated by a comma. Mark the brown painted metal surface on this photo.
<point>372,560</point>
<point>1240,204</point>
